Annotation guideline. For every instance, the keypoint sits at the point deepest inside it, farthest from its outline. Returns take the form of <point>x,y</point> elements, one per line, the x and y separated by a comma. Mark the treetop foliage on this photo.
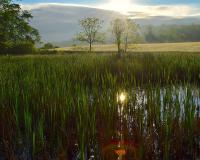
<point>14,25</point>
<point>125,31</point>
<point>90,31</point>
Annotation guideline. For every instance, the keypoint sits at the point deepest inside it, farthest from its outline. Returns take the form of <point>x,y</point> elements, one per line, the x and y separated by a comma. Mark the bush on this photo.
<point>49,46</point>
<point>4,46</point>
<point>22,48</point>
<point>47,52</point>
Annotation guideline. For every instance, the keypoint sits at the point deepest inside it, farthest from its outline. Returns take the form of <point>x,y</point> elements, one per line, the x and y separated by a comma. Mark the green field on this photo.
<point>154,47</point>
<point>83,106</point>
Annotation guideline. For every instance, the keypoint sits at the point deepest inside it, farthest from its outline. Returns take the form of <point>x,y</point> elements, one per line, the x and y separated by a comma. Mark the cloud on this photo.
<point>144,11</point>
<point>47,5</point>
<point>134,10</point>
<point>178,11</point>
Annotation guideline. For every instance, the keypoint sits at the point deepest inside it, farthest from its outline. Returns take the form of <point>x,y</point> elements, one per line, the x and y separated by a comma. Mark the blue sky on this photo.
<point>173,1</point>
<point>153,2</point>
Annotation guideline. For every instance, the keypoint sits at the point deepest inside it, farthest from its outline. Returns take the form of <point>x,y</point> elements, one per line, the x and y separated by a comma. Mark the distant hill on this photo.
<point>59,24</point>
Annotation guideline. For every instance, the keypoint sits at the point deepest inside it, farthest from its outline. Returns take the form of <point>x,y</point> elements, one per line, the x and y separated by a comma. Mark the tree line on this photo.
<point>171,33</point>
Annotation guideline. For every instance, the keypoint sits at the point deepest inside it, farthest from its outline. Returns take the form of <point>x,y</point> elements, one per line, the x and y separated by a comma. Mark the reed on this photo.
<point>66,106</point>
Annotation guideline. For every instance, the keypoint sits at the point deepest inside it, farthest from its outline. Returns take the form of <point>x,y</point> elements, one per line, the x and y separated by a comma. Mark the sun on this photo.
<point>122,6</point>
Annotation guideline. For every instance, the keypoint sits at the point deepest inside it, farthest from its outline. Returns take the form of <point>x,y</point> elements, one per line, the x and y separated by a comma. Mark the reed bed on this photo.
<point>65,107</point>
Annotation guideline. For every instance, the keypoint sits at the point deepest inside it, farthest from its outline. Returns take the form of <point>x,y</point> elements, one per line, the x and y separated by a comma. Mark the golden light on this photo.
<point>120,152</point>
<point>122,6</point>
<point>121,97</point>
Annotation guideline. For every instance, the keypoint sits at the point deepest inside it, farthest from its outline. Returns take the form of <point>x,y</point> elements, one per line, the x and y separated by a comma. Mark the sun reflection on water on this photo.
<point>121,97</point>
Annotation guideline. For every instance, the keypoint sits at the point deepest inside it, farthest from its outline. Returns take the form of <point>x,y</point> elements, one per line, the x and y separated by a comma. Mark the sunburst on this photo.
<point>122,6</point>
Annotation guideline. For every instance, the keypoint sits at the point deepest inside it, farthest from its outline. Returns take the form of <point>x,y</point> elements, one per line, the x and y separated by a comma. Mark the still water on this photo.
<point>148,124</point>
<point>113,124</point>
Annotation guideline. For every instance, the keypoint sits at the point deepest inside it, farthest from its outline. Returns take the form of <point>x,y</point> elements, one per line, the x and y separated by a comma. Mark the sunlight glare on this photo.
<point>121,97</point>
<point>122,6</point>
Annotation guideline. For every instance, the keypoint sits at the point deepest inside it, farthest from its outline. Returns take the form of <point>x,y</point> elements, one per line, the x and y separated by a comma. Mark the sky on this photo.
<point>138,8</point>
<point>102,1</point>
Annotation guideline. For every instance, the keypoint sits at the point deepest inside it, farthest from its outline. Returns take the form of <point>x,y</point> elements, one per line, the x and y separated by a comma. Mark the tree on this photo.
<point>150,35</point>
<point>90,31</point>
<point>125,31</point>
<point>14,25</point>
<point>118,30</point>
<point>130,33</point>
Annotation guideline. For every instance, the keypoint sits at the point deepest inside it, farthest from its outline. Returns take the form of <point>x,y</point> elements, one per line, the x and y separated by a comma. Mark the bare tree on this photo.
<point>90,31</point>
<point>118,29</point>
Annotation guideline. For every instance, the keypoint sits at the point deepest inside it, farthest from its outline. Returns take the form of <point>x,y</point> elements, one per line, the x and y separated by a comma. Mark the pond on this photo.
<point>138,123</point>
<point>161,123</point>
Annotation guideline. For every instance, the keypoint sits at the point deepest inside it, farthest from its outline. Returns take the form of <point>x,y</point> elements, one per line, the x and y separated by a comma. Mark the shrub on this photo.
<point>47,52</point>
<point>48,46</point>
<point>22,48</point>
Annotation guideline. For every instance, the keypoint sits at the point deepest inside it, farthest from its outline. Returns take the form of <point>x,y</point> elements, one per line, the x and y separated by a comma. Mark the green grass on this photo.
<point>56,106</point>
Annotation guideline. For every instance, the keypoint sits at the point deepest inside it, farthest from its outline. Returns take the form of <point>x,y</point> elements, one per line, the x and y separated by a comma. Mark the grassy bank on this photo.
<point>154,47</point>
